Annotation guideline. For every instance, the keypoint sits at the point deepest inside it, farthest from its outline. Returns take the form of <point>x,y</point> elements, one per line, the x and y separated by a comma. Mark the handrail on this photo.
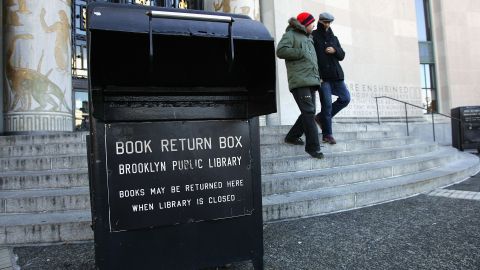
<point>190,16</point>
<point>406,113</point>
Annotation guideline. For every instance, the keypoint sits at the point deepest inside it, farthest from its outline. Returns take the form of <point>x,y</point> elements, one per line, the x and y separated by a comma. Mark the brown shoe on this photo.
<point>329,139</point>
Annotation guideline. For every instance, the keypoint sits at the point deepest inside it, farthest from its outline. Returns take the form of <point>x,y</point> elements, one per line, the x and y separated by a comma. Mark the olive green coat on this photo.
<point>296,47</point>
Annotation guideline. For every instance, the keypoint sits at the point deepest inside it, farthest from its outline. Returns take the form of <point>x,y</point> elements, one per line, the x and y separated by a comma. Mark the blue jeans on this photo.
<point>329,109</point>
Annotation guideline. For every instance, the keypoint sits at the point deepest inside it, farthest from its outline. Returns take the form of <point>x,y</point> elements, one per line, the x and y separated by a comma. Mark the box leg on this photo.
<point>257,263</point>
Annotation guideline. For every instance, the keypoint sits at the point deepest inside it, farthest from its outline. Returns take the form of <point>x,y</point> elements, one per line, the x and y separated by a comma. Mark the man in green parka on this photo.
<point>296,47</point>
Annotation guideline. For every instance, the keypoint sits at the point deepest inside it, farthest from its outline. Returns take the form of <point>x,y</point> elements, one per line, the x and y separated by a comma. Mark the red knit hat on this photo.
<point>305,18</point>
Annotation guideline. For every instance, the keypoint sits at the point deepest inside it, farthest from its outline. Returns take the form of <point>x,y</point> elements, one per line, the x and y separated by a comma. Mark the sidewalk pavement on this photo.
<point>439,230</point>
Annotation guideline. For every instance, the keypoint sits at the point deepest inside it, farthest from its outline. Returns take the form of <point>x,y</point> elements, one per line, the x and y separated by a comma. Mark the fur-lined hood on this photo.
<point>294,24</point>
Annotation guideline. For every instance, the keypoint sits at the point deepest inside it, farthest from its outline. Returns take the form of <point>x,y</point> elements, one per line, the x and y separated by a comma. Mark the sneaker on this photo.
<point>319,122</point>
<point>316,154</point>
<point>294,141</point>
<point>329,139</point>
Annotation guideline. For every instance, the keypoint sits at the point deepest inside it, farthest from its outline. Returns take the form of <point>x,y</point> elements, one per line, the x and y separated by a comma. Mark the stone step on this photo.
<point>329,200</point>
<point>323,178</point>
<point>65,137</point>
<point>42,228</point>
<point>28,200</point>
<point>51,162</point>
<point>46,200</point>
<point>272,130</point>
<point>81,149</point>
<point>43,163</point>
<point>78,198</point>
<point>44,179</point>
<point>340,136</point>
<point>306,163</point>
<point>283,149</point>
<point>43,149</point>
<point>68,226</point>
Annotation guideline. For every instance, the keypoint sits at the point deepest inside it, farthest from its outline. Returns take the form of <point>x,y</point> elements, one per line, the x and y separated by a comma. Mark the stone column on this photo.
<point>37,65</point>
<point>1,67</point>
<point>267,9</point>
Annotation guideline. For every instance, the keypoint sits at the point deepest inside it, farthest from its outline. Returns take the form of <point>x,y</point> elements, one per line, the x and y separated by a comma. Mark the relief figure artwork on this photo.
<point>67,2</point>
<point>237,7</point>
<point>223,5</point>
<point>12,17</point>
<point>183,4</point>
<point>27,84</point>
<point>36,65</point>
<point>243,10</point>
<point>21,92</point>
<point>62,41</point>
<point>22,7</point>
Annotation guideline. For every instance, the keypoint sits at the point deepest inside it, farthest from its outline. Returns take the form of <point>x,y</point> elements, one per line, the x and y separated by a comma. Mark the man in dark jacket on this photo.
<point>329,53</point>
<point>296,47</point>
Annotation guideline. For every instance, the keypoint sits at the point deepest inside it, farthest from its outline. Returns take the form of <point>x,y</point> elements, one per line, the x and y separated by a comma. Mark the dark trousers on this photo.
<point>305,98</point>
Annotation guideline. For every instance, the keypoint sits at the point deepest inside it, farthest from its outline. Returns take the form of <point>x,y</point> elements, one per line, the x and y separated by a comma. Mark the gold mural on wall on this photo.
<point>15,78</point>
<point>143,2</point>
<point>25,84</point>
<point>183,4</point>
<point>12,18</point>
<point>62,41</point>
<point>22,7</point>
<point>243,10</point>
<point>223,5</point>
<point>237,7</point>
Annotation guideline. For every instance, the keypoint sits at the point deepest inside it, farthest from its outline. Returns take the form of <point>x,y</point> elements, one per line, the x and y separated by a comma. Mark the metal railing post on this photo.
<point>415,106</point>
<point>433,126</point>
<point>406,119</point>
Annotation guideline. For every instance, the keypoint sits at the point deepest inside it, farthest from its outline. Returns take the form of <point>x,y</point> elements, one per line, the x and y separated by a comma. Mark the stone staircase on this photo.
<point>45,197</point>
<point>370,164</point>
<point>44,189</point>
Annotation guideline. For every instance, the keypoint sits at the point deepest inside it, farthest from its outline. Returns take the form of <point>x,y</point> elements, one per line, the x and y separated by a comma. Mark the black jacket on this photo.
<point>330,69</point>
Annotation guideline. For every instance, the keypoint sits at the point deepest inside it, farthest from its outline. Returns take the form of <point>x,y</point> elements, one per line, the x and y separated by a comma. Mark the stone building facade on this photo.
<point>44,56</point>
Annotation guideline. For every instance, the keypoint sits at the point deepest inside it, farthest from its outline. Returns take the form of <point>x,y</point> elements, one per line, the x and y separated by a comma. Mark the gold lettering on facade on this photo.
<point>84,18</point>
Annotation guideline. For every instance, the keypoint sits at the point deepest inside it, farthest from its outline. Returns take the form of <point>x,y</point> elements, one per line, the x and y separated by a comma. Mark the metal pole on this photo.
<point>433,126</point>
<point>231,47</point>
<point>378,114</point>
<point>406,119</point>
<point>150,36</point>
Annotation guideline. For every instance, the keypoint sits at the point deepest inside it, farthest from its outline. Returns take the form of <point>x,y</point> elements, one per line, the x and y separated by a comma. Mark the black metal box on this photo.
<point>466,132</point>
<point>174,158</point>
